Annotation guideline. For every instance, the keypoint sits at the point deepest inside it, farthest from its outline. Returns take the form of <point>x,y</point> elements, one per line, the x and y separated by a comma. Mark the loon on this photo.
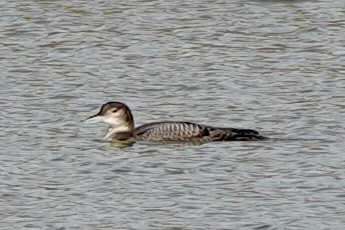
<point>122,128</point>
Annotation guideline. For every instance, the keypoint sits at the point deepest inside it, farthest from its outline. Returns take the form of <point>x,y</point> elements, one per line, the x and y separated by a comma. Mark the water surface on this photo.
<point>274,66</point>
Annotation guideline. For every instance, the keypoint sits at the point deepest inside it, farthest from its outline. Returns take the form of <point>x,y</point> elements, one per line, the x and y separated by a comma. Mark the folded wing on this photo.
<point>187,131</point>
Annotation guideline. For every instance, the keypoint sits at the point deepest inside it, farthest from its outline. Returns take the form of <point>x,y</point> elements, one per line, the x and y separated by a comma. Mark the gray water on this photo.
<point>273,66</point>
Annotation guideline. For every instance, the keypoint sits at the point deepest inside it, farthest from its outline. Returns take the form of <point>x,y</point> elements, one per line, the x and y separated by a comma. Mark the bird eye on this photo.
<point>114,110</point>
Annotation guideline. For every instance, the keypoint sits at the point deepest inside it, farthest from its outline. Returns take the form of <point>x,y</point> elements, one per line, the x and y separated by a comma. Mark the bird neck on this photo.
<point>123,130</point>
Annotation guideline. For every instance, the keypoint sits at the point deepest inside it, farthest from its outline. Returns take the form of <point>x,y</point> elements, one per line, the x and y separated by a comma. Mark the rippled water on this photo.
<point>275,66</point>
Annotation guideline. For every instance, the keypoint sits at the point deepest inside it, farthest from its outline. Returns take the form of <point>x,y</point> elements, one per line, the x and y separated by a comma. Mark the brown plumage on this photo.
<point>121,122</point>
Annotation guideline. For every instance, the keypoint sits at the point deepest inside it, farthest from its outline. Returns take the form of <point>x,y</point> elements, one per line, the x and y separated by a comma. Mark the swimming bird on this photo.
<point>121,128</point>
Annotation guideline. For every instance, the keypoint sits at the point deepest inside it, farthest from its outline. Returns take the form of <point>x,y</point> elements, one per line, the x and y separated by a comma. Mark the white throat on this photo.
<point>117,129</point>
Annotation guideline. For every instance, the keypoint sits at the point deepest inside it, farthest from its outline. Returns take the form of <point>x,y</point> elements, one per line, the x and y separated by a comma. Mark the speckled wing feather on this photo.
<point>232,134</point>
<point>187,131</point>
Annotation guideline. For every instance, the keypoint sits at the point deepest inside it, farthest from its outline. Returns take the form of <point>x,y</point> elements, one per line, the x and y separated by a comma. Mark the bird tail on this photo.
<point>230,134</point>
<point>246,135</point>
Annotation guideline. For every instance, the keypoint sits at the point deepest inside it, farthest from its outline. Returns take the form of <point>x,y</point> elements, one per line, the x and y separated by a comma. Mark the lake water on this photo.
<point>273,66</point>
